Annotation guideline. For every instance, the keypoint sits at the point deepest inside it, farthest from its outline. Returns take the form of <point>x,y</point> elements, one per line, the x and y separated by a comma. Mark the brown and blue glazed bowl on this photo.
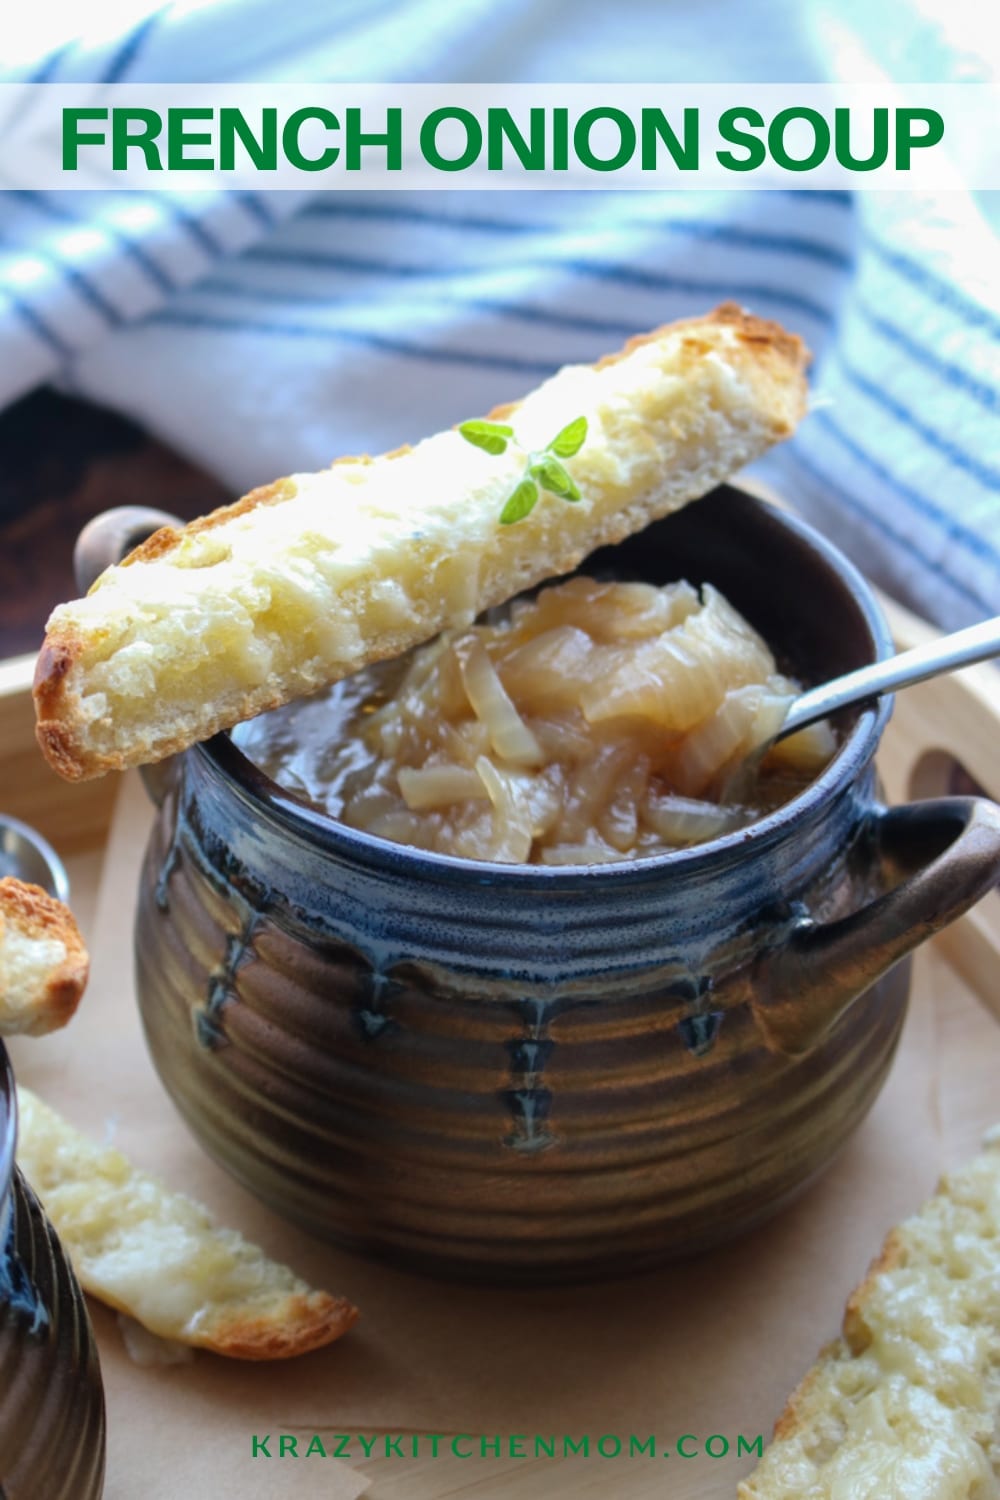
<point>524,1073</point>
<point>51,1399</point>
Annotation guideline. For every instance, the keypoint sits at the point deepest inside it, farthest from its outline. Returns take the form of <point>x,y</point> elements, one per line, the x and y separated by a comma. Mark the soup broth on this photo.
<point>594,722</point>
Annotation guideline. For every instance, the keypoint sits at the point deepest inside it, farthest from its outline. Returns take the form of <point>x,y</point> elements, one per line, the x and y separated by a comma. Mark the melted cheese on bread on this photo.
<point>905,1405</point>
<point>156,1255</point>
<point>305,581</point>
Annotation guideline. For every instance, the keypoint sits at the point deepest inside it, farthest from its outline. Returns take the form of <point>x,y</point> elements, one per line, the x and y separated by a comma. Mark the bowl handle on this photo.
<point>948,851</point>
<point>111,536</point>
<point>103,542</point>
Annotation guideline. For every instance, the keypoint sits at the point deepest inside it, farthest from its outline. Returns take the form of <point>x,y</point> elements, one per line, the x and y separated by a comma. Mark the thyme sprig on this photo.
<point>542,471</point>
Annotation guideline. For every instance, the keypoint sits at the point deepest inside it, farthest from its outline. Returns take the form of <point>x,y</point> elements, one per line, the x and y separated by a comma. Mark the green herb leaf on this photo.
<point>570,440</point>
<point>552,476</point>
<point>490,436</point>
<point>521,503</point>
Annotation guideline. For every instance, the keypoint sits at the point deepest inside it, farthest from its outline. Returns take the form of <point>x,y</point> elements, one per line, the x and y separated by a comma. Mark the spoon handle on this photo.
<point>976,643</point>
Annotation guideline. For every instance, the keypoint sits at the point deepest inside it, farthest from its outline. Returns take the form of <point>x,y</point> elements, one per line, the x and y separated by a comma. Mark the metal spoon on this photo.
<point>976,643</point>
<point>945,654</point>
<point>27,856</point>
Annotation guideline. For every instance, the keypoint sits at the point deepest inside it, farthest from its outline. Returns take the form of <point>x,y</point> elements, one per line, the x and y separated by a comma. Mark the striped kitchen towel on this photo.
<point>263,333</point>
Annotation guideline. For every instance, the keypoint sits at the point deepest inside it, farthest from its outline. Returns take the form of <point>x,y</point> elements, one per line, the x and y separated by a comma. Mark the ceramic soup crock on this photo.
<point>51,1400</point>
<point>532,1073</point>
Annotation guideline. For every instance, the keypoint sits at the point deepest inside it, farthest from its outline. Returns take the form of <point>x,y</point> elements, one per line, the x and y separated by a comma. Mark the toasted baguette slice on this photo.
<point>906,1404</point>
<point>43,962</point>
<point>308,579</point>
<point>156,1255</point>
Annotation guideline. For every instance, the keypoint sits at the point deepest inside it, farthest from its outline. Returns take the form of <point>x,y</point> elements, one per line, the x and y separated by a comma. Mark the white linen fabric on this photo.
<point>262,333</point>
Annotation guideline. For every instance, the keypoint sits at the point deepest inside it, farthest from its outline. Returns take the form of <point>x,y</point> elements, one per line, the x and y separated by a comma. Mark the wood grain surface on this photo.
<point>942,732</point>
<point>63,461</point>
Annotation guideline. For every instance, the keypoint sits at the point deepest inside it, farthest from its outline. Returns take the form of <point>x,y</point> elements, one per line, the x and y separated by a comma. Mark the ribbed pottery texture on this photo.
<point>51,1398</point>
<point>517,1074</point>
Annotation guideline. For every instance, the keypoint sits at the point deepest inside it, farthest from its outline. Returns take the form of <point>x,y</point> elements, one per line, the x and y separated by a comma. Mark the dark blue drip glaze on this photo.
<point>530,1108</point>
<point>372,1014</point>
<point>228,875</point>
<point>529,1102</point>
<point>373,1024</point>
<point>699,1032</point>
<point>170,862</point>
<point>529,1055</point>
<point>18,1296</point>
<point>208,1023</point>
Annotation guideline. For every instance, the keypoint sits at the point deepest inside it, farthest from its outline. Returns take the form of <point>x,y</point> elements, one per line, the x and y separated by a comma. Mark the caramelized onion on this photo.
<point>593,723</point>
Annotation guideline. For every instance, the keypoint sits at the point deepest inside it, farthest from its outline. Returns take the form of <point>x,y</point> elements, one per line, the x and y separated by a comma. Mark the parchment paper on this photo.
<point>712,1346</point>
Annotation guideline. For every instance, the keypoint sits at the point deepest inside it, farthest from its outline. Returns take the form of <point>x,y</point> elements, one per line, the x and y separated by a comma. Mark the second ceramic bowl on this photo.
<point>51,1398</point>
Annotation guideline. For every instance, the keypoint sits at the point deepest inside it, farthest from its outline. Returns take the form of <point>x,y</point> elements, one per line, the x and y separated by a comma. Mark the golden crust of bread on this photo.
<point>43,960</point>
<point>674,413</point>
<point>855,1339</point>
<point>156,1256</point>
<point>296,1326</point>
<point>905,1404</point>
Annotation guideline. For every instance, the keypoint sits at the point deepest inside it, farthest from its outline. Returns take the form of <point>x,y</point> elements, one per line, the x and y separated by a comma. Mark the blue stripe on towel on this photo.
<point>599,270</point>
<point>89,293</point>
<point>37,324</point>
<point>955,375</point>
<point>195,227</point>
<point>696,229</point>
<point>525,312</point>
<point>40,202</point>
<point>133,45</point>
<point>979,546</point>
<point>255,205</point>
<point>983,473</point>
<point>838,197</point>
<point>50,65</point>
<point>368,340</point>
<point>899,539</point>
<point>944,293</point>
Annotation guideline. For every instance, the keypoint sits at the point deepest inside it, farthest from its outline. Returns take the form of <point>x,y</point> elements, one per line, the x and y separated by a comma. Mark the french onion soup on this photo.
<point>591,723</point>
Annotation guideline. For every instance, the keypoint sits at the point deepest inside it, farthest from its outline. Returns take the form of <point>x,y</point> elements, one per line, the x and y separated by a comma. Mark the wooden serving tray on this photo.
<point>725,1340</point>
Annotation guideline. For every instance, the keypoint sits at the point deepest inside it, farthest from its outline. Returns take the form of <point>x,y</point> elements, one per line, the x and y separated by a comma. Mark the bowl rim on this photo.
<point>224,760</point>
<point>8,1135</point>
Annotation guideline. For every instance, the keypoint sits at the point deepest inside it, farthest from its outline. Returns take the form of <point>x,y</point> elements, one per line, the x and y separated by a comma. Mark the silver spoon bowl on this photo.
<point>27,856</point>
<point>946,654</point>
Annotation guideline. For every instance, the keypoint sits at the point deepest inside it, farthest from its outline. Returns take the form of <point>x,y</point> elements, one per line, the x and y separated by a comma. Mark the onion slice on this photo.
<point>509,734</point>
<point>439,786</point>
